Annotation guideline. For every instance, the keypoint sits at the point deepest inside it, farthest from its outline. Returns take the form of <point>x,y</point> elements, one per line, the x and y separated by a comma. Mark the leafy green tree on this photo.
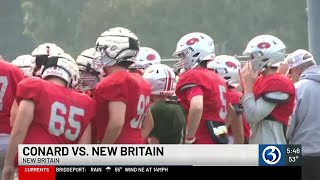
<point>76,24</point>
<point>52,21</point>
<point>13,43</point>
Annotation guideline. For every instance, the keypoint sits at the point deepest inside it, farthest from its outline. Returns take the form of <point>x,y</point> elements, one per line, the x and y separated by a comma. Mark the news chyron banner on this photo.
<point>87,161</point>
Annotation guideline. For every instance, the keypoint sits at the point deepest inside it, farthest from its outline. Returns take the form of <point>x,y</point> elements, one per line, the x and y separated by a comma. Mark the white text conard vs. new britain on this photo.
<point>94,151</point>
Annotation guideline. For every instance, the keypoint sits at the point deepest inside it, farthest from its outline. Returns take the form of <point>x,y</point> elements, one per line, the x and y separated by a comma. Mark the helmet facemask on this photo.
<point>116,49</point>
<point>258,61</point>
<point>184,62</point>
<point>88,81</point>
<point>90,75</point>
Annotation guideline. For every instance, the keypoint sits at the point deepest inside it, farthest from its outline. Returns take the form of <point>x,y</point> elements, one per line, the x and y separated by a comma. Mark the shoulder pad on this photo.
<point>187,86</point>
<point>276,97</point>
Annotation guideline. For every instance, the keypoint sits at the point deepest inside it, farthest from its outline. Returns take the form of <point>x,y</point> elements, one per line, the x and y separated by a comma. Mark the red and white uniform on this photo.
<point>213,89</point>
<point>10,76</point>
<point>135,92</point>
<point>61,114</point>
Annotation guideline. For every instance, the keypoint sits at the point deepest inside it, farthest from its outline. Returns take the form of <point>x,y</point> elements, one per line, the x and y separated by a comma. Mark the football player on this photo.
<point>24,62</point>
<point>146,57</point>
<point>49,112</point>
<point>123,98</point>
<point>39,57</point>
<point>41,54</point>
<point>89,71</point>
<point>169,118</point>
<point>201,92</point>
<point>269,97</point>
<point>10,76</point>
<point>228,67</point>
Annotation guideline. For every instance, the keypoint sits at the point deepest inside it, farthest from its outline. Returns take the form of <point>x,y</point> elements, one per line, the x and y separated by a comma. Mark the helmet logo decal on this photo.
<point>263,45</point>
<point>231,65</point>
<point>192,41</point>
<point>151,57</point>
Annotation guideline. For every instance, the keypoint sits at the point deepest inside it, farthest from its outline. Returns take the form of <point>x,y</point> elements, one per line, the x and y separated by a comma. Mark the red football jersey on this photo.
<point>277,83</point>
<point>214,98</point>
<point>10,76</point>
<point>135,92</point>
<point>235,99</point>
<point>61,114</point>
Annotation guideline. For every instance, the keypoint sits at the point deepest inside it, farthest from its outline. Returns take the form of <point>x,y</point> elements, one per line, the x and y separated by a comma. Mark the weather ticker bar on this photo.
<point>92,172</point>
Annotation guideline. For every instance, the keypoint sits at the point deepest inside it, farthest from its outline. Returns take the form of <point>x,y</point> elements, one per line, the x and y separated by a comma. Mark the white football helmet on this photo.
<point>24,62</point>
<point>265,51</point>
<point>161,78</point>
<point>146,57</point>
<point>46,49</point>
<point>117,45</point>
<point>86,61</point>
<point>194,48</point>
<point>227,67</point>
<point>41,54</point>
<point>62,65</point>
<point>90,69</point>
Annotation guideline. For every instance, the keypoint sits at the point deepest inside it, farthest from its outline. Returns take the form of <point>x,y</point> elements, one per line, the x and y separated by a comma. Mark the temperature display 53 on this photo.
<point>293,155</point>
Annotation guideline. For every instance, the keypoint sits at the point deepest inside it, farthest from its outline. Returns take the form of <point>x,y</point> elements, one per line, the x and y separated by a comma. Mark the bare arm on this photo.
<point>13,112</point>
<point>147,125</point>
<point>20,128</point>
<point>237,130</point>
<point>117,114</point>
<point>231,115</point>
<point>194,116</point>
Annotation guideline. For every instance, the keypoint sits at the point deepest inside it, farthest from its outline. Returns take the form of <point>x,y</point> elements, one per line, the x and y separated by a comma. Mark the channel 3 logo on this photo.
<point>271,155</point>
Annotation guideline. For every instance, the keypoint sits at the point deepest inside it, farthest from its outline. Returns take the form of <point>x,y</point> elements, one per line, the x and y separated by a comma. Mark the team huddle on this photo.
<point>119,93</point>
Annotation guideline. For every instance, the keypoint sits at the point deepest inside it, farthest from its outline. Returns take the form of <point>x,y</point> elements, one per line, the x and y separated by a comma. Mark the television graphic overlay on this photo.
<point>101,161</point>
<point>280,155</point>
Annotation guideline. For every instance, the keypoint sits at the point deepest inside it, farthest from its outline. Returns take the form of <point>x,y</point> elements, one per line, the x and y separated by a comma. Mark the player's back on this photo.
<point>135,92</point>
<point>214,92</point>
<point>214,99</point>
<point>10,76</point>
<point>61,114</point>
